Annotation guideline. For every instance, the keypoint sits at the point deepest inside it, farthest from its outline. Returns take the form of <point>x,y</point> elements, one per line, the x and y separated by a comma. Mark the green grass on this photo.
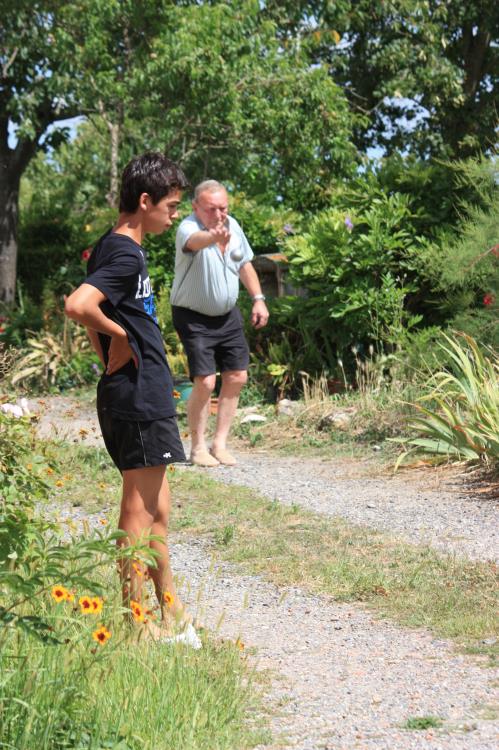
<point>423,722</point>
<point>411,584</point>
<point>126,695</point>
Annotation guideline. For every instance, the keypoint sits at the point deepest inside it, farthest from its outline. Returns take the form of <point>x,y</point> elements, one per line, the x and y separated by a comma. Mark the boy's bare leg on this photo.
<point>173,609</point>
<point>145,510</point>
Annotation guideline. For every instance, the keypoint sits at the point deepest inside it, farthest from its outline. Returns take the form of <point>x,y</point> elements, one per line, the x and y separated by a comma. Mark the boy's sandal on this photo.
<point>188,637</point>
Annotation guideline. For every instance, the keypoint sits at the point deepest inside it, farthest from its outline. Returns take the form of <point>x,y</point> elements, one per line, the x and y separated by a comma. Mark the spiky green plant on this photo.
<point>463,419</point>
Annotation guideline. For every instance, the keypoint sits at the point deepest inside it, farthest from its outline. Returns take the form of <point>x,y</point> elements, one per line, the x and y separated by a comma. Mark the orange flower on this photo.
<point>59,593</point>
<point>86,606</point>
<point>138,569</point>
<point>103,521</point>
<point>240,644</point>
<point>137,611</point>
<point>50,471</point>
<point>97,605</point>
<point>101,635</point>
<point>59,483</point>
<point>176,394</point>
<point>168,598</point>
<point>70,597</point>
<point>171,468</point>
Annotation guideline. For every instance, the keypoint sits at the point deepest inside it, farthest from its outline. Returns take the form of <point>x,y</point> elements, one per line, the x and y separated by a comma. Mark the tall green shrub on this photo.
<point>459,413</point>
<point>352,265</point>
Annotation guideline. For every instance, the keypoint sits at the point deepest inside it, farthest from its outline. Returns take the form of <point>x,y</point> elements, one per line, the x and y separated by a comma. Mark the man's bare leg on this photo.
<point>145,509</point>
<point>232,384</point>
<point>198,409</point>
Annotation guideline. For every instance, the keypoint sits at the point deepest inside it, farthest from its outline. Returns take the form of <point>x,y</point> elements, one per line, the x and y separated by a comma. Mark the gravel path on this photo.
<point>420,506</point>
<point>341,679</point>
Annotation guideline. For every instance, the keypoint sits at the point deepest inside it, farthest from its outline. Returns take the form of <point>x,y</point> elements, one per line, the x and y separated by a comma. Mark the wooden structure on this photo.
<point>272,270</point>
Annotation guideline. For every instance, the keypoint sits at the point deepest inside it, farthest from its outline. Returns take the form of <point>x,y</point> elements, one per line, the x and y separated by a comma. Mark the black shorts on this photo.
<point>212,342</point>
<point>135,445</point>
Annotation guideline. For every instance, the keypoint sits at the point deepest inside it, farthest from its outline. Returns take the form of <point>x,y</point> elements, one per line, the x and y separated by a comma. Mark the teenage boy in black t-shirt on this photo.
<point>135,394</point>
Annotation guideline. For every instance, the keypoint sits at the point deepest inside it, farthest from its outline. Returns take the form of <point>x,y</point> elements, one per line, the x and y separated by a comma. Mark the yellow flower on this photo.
<point>86,606</point>
<point>29,466</point>
<point>176,394</point>
<point>97,605</point>
<point>137,611</point>
<point>138,569</point>
<point>103,521</point>
<point>101,635</point>
<point>239,644</point>
<point>171,468</point>
<point>59,593</point>
<point>59,483</point>
<point>102,485</point>
<point>168,598</point>
<point>50,471</point>
<point>70,597</point>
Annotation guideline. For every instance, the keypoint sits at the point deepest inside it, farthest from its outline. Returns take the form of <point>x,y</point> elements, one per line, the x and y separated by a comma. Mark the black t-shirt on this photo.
<point>117,267</point>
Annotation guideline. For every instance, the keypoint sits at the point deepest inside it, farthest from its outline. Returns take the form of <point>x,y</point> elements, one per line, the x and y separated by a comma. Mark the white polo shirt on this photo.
<point>207,280</point>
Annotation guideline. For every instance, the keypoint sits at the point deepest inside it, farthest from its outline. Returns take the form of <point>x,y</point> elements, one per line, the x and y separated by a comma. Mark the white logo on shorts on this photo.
<point>167,455</point>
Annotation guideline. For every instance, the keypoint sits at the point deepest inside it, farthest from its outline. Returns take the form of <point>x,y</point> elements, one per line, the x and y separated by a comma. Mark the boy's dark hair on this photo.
<point>150,173</point>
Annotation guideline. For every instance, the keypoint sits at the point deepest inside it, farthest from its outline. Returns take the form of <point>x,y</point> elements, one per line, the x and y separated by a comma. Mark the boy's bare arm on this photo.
<point>95,341</point>
<point>83,305</point>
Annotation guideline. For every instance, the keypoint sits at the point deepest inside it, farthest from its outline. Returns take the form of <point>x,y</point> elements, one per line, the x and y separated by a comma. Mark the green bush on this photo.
<point>60,360</point>
<point>71,678</point>
<point>462,418</point>
<point>353,266</point>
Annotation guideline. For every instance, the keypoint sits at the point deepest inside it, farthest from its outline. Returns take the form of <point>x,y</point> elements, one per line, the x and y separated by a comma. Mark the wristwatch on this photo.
<point>256,297</point>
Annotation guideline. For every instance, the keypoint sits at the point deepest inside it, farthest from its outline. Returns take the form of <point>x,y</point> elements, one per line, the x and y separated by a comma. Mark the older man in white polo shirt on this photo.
<point>212,254</point>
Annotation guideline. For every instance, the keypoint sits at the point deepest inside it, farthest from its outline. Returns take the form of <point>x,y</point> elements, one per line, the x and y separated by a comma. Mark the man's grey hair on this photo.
<point>207,186</point>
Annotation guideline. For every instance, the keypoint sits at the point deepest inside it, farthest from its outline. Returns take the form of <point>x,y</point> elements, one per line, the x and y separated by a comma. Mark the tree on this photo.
<point>59,60</point>
<point>207,82</point>
<point>35,91</point>
<point>423,72</point>
<point>230,101</point>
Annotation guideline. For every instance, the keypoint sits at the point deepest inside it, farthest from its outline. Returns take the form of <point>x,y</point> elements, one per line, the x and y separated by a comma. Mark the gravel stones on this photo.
<point>425,507</point>
<point>342,679</point>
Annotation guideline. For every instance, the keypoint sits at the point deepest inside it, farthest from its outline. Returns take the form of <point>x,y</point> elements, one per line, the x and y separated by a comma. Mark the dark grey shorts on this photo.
<point>135,445</point>
<point>212,342</point>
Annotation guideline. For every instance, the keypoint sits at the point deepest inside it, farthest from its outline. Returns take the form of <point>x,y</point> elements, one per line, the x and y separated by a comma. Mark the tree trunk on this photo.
<point>9,208</point>
<point>112,196</point>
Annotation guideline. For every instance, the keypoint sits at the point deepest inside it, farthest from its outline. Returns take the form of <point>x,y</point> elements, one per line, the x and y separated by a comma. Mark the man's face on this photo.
<point>211,207</point>
<point>160,216</point>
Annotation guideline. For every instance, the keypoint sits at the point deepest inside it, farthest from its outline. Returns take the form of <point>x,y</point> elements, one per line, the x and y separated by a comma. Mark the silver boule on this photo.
<point>237,254</point>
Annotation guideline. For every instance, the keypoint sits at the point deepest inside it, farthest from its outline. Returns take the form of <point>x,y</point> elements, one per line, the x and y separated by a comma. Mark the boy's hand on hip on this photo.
<point>120,352</point>
<point>259,314</point>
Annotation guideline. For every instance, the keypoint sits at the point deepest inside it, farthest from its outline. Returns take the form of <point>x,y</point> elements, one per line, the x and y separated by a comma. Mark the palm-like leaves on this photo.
<point>464,423</point>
